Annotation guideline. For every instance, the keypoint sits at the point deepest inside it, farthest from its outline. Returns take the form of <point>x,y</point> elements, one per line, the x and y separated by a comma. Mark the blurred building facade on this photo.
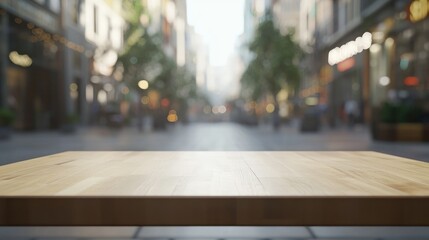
<point>286,15</point>
<point>76,61</point>
<point>57,57</point>
<point>31,70</point>
<point>168,17</point>
<point>104,31</point>
<point>254,11</point>
<point>370,52</point>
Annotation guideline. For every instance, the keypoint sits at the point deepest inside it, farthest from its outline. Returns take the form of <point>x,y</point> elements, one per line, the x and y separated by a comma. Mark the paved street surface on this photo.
<point>202,137</point>
<point>205,137</point>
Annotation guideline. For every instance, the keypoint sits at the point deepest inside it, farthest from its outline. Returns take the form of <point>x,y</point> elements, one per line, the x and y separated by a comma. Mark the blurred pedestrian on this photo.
<point>276,118</point>
<point>352,112</point>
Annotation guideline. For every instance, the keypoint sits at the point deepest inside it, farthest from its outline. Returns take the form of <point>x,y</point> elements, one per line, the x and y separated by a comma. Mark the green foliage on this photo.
<point>139,58</point>
<point>143,58</point>
<point>6,117</point>
<point>164,81</point>
<point>72,119</point>
<point>388,113</point>
<point>132,9</point>
<point>400,113</point>
<point>142,51</point>
<point>275,64</point>
<point>408,113</point>
<point>187,87</point>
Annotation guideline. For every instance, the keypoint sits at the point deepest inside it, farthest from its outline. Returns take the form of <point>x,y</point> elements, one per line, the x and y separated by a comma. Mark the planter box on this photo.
<point>406,132</point>
<point>409,132</point>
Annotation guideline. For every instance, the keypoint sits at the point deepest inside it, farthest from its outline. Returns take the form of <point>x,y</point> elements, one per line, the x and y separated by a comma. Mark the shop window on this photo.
<point>76,11</point>
<point>54,5</point>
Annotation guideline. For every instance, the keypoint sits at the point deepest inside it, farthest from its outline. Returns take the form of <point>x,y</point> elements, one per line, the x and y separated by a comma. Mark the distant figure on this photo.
<point>276,119</point>
<point>351,110</point>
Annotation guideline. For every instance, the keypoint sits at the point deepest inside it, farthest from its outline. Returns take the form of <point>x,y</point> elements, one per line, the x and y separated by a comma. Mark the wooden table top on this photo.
<point>215,188</point>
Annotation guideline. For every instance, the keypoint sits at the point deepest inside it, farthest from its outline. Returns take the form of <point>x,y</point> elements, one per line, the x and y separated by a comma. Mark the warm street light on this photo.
<point>143,84</point>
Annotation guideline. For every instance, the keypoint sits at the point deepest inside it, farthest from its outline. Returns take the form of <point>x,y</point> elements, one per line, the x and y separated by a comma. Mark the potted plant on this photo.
<point>384,128</point>
<point>399,122</point>
<point>409,127</point>
<point>6,120</point>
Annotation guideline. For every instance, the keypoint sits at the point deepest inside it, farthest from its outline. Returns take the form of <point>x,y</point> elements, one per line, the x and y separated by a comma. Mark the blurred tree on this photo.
<point>275,62</point>
<point>141,50</point>
<point>143,58</point>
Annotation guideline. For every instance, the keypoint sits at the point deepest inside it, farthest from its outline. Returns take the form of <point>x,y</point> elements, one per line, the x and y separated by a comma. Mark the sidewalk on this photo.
<point>203,137</point>
<point>215,233</point>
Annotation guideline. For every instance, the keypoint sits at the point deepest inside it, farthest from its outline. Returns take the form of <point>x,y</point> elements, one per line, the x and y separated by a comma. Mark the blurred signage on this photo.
<point>350,49</point>
<point>411,81</point>
<point>22,60</point>
<point>418,10</point>
<point>32,13</point>
<point>346,64</point>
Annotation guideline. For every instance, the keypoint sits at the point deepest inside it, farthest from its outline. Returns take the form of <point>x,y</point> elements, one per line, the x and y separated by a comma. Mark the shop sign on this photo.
<point>346,65</point>
<point>411,81</point>
<point>350,49</point>
<point>418,10</point>
<point>22,60</point>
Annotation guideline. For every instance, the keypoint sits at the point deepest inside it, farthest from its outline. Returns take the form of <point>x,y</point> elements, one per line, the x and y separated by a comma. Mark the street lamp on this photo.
<point>143,84</point>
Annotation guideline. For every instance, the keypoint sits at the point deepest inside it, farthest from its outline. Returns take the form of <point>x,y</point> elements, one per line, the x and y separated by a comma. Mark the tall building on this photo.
<point>254,11</point>
<point>76,61</point>
<point>307,24</point>
<point>169,17</point>
<point>307,41</point>
<point>287,16</point>
<point>198,58</point>
<point>181,26</point>
<point>104,31</point>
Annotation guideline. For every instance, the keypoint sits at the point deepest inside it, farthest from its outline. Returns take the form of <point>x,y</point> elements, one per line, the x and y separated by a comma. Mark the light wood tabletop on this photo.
<point>215,188</point>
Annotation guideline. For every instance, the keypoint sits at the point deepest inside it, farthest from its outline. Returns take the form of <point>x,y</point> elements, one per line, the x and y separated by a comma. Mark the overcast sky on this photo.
<point>219,22</point>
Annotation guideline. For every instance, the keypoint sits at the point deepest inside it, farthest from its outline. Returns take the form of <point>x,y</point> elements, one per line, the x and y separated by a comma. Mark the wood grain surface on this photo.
<point>215,188</point>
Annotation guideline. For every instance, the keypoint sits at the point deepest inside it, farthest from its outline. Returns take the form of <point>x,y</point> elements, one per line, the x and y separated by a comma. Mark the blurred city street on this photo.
<point>223,136</point>
<point>214,75</point>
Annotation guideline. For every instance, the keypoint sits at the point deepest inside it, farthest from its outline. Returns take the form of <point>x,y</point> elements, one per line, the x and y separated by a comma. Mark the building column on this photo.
<point>4,48</point>
<point>67,72</point>
<point>85,108</point>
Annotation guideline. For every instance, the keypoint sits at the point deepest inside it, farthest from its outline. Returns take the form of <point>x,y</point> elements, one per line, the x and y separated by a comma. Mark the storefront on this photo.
<point>399,57</point>
<point>349,81</point>
<point>399,65</point>
<point>30,72</point>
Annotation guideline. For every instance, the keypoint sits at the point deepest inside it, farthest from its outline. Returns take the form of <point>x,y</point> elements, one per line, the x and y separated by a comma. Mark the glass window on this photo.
<point>54,5</point>
<point>76,11</point>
